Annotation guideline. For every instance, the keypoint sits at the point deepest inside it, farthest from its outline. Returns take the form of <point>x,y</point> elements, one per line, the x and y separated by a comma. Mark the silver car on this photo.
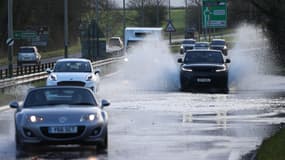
<point>61,115</point>
<point>28,54</point>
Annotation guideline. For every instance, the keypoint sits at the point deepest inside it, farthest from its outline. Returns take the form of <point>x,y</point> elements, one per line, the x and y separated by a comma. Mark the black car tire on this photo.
<point>19,144</point>
<point>103,145</point>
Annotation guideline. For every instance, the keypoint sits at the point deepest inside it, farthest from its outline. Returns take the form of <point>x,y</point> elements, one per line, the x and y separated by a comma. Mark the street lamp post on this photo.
<point>65,28</point>
<point>157,13</point>
<point>10,37</point>
<point>124,19</point>
<point>169,18</point>
<point>97,29</point>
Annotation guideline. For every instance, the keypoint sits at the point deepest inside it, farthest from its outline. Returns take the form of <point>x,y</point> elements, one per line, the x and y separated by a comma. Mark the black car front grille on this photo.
<point>71,83</point>
<point>204,69</point>
<point>80,130</point>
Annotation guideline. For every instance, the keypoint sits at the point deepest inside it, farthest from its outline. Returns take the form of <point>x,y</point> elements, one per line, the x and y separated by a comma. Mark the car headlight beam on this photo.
<point>186,69</point>
<point>221,69</point>
<point>89,117</point>
<point>35,119</point>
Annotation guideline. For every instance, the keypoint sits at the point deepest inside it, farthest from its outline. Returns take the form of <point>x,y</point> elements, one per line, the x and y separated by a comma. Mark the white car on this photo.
<point>74,72</point>
<point>187,44</point>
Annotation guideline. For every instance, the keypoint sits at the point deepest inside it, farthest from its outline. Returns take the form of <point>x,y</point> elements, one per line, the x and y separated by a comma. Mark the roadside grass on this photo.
<point>272,148</point>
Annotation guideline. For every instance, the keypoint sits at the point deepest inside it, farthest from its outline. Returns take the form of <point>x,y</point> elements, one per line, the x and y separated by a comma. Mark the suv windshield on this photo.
<point>193,57</point>
<point>72,66</point>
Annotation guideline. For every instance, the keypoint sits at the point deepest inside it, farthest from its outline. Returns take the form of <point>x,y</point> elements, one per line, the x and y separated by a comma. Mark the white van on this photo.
<point>136,34</point>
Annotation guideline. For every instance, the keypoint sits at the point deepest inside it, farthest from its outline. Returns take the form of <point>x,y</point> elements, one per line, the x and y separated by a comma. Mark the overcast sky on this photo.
<point>175,3</point>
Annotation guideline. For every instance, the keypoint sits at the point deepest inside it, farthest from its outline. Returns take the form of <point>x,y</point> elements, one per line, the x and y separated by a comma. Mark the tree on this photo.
<point>149,13</point>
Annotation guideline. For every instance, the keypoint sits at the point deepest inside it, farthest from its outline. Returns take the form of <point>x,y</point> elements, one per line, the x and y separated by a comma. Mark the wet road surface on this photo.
<point>169,124</point>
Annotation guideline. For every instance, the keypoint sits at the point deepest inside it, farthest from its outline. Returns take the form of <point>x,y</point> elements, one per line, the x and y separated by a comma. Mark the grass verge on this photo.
<point>272,148</point>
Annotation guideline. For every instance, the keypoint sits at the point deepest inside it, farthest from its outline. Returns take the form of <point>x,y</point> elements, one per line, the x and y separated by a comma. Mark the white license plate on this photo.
<point>203,80</point>
<point>62,129</point>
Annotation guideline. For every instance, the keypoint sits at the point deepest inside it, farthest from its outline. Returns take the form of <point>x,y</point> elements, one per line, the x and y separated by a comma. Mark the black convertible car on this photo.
<point>204,70</point>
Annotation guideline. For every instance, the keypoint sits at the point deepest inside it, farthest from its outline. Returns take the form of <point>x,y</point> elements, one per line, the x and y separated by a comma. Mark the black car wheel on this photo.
<point>19,144</point>
<point>103,145</point>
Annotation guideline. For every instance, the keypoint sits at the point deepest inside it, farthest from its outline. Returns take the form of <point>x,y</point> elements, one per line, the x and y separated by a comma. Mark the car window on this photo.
<point>26,50</point>
<point>218,43</point>
<point>72,66</point>
<point>58,96</point>
<point>201,45</point>
<point>203,57</point>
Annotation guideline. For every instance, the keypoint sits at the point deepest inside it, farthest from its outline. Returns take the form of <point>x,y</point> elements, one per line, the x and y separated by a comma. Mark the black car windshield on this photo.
<point>204,57</point>
<point>72,66</point>
<point>218,43</point>
<point>59,96</point>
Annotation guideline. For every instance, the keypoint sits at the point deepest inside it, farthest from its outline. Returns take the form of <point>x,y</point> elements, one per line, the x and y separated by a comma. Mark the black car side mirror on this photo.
<point>14,105</point>
<point>228,61</point>
<point>179,60</point>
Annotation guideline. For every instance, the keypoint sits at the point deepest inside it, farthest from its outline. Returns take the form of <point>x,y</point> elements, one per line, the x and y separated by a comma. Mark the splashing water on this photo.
<point>151,66</point>
<point>251,60</point>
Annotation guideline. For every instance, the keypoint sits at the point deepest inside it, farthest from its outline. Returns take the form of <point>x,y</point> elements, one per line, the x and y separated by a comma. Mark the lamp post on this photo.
<point>169,18</point>
<point>124,18</point>
<point>157,13</point>
<point>65,28</point>
<point>10,37</point>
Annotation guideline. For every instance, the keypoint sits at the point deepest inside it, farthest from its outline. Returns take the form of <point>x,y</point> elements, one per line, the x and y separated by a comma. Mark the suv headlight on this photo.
<point>186,69</point>
<point>221,69</point>
<point>53,77</point>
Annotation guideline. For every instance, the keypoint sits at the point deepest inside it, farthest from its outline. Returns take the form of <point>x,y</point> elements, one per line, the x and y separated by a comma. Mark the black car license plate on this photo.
<point>62,129</point>
<point>203,80</point>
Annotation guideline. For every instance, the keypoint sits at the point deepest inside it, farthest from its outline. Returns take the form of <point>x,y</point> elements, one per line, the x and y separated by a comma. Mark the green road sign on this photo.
<point>214,13</point>
<point>25,34</point>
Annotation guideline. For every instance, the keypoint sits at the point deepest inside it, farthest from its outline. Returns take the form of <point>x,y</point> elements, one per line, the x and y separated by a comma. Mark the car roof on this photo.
<point>73,59</point>
<point>28,47</point>
<point>218,40</point>
<point>202,42</point>
<point>189,39</point>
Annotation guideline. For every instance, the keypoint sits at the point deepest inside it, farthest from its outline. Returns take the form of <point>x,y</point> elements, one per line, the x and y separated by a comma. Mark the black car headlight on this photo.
<point>186,69</point>
<point>35,119</point>
<point>221,69</point>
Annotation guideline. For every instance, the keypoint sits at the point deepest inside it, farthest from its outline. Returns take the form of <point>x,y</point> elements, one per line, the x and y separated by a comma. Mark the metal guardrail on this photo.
<point>18,80</point>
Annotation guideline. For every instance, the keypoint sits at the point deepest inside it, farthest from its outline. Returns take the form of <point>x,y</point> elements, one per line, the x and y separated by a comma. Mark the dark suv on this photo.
<point>219,44</point>
<point>204,70</point>
<point>28,54</point>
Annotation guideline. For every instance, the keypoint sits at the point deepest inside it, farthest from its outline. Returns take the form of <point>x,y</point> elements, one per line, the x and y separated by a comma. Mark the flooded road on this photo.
<point>151,124</point>
<point>150,119</point>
